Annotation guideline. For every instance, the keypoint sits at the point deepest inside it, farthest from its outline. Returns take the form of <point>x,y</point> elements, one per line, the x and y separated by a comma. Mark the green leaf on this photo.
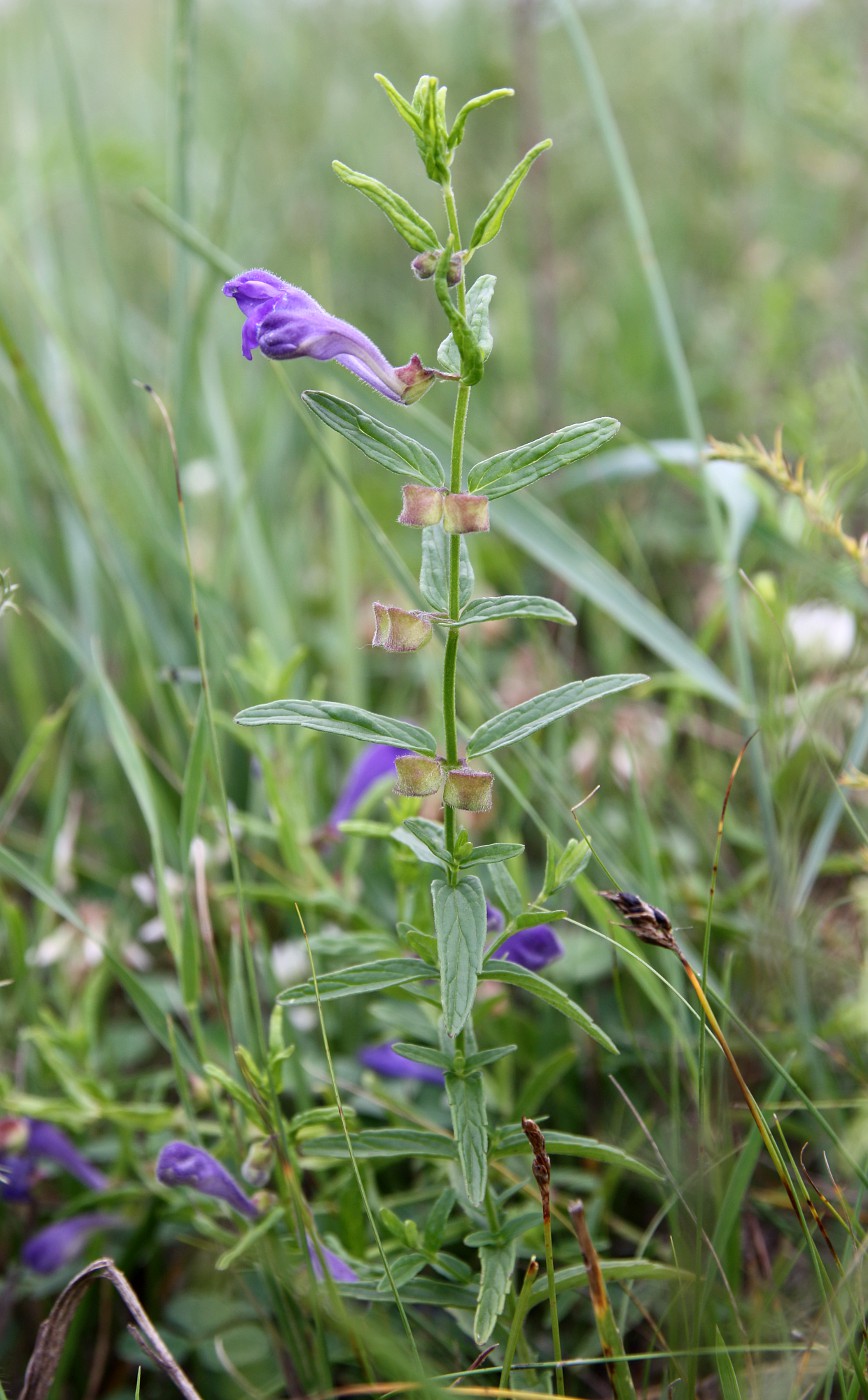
<point>353,981</point>
<point>434,574</point>
<point>384,445</point>
<point>545,536</point>
<point>726,1371</point>
<point>405,220</point>
<point>492,853</point>
<point>460,925</point>
<point>428,1292</point>
<point>613,1271</point>
<point>489,222</point>
<point>468,356</point>
<point>429,104</point>
<point>514,605</point>
<point>435,1225</point>
<point>481,1058</point>
<point>372,1143</point>
<point>425,839</point>
<point>347,720</point>
<point>499,970</point>
<point>466,1095</point>
<point>511,725</point>
<point>512,1140</point>
<point>401,105</point>
<point>456,135</point>
<point>423,1054</point>
<point>506,890</point>
<point>520,466</point>
<point>478,300</point>
<point>497,1263</point>
<point>194,778</point>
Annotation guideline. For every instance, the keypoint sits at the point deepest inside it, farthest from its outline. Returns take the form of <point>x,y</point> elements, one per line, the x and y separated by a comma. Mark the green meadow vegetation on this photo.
<point>182,539</point>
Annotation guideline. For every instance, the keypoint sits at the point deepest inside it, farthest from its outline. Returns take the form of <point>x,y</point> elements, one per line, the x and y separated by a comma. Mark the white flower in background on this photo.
<point>822,634</point>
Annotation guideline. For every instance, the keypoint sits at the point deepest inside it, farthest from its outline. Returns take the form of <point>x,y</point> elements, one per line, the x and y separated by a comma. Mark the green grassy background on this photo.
<point>745,126</point>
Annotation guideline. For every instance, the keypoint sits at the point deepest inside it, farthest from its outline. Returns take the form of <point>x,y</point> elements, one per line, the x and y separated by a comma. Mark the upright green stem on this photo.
<point>450,659</point>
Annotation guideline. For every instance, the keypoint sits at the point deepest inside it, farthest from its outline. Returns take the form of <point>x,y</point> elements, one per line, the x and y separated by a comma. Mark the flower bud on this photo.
<point>425,265</point>
<point>418,775</point>
<point>464,514</point>
<point>396,629</point>
<point>468,789</point>
<point>423,505</point>
<point>259,1163</point>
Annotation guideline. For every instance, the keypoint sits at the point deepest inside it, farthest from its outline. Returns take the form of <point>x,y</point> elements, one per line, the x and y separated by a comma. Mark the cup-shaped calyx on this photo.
<point>417,774</point>
<point>468,789</point>
<point>422,505</point>
<point>425,266</point>
<point>396,629</point>
<point>465,513</point>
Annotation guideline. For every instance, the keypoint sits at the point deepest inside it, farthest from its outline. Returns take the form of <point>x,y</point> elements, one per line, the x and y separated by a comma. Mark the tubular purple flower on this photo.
<point>533,948</point>
<point>286,323</point>
<point>58,1244</point>
<point>376,761</point>
<point>387,1062</point>
<point>45,1140</point>
<point>339,1270</point>
<point>182,1164</point>
<point>17,1175</point>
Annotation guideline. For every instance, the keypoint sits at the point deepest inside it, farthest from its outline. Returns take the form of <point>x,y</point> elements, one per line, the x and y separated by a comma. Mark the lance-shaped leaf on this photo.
<point>425,839</point>
<point>478,302</point>
<point>501,970</point>
<point>520,466</point>
<point>467,350</point>
<point>429,104</point>
<point>401,105</point>
<point>460,923</point>
<point>434,574</point>
<point>357,981</point>
<point>491,854</point>
<point>514,605</point>
<point>497,1263</point>
<point>372,1143</point>
<point>456,135</point>
<point>489,222</point>
<point>384,445</point>
<point>347,720</point>
<point>509,1141</point>
<point>466,1095</point>
<point>511,725</point>
<point>405,220</point>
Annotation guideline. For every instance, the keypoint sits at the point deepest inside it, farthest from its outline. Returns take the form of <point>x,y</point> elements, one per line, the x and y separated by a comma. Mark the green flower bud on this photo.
<point>396,629</point>
<point>418,775</point>
<point>468,789</point>
<point>259,1163</point>
<point>423,505</point>
<point>464,514</point>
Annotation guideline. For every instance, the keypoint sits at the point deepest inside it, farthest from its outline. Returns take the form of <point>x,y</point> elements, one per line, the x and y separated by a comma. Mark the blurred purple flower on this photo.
<point>16,1177</point>
<point>387,1062</point>
<point>285,323</point>
<point>376,761</point>
<point>182,1164</point>
<point>532,948</point>
<point>26,1141</point>
<point>58,1244</point>
<point>338,1269</point>
<point>494,920</point>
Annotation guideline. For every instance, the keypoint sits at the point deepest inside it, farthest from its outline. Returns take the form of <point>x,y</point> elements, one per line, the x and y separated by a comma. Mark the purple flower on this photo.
<point>182,1164</point>
<point>16,1178</point>
<point>387,1062</point>
<point>338,1269</point>
<point>376,761</point>
<point>532,948</point>
<point>58,1244</point>
<point>285,323</point>
<point>494,920</point>
<point>25,1142</point>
